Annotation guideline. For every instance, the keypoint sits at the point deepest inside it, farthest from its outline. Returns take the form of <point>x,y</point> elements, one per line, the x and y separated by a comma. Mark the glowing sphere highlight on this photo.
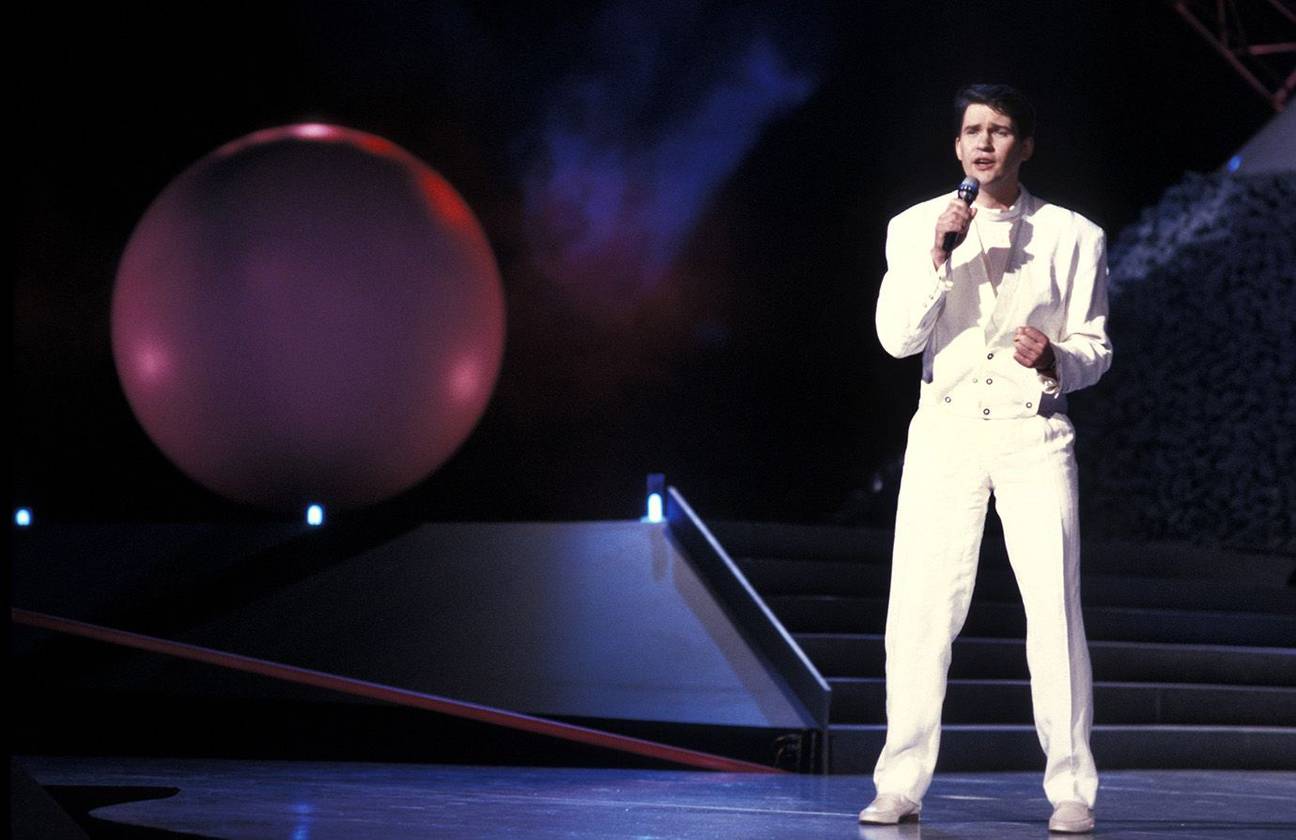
<point>309,313</point>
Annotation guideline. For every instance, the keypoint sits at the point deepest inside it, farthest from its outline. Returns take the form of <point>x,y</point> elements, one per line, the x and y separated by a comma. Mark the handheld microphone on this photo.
<point>967,190</point>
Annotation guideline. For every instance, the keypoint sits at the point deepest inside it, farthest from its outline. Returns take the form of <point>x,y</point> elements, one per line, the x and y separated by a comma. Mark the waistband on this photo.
<point>973,403</point>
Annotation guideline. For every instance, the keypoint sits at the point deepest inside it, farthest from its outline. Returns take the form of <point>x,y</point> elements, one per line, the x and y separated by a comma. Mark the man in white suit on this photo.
<point>1006,300</point>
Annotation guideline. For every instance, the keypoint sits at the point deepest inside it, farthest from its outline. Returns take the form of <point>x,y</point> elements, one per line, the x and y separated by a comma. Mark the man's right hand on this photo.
<point>956,219</point>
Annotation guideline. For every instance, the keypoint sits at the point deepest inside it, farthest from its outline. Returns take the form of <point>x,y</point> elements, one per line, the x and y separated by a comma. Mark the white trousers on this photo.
<point>952,464</point>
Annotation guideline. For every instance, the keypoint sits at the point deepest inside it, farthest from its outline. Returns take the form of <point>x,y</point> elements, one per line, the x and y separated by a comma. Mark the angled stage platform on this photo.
<point>640,629</point>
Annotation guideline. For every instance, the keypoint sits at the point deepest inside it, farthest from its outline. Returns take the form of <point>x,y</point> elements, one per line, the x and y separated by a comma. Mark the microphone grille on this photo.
<point>968,190</point>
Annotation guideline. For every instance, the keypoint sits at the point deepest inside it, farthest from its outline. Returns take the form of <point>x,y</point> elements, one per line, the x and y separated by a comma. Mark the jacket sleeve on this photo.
<point>913,292</point>
<point>1084,351</point>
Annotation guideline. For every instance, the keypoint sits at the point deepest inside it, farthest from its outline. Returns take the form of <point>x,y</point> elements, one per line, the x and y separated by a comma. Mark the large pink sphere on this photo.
<point>309,313</point>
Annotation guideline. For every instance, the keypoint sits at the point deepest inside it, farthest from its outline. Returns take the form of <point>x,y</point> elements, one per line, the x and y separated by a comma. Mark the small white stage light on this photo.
<point>656,497</point>
<point>654,507</point>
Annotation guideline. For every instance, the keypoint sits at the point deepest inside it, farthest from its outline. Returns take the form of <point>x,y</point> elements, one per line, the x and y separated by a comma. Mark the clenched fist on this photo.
<point>1032,349</point>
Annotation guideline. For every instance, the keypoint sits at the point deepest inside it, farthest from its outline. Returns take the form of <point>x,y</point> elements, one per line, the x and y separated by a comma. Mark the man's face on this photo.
<point>989,148</point>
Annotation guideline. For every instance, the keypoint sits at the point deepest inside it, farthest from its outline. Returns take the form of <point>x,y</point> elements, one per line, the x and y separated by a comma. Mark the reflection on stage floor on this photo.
<point>331,801</point>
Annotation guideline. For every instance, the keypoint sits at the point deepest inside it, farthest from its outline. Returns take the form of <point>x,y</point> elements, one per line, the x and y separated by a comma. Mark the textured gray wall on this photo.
<point>1191,435</point>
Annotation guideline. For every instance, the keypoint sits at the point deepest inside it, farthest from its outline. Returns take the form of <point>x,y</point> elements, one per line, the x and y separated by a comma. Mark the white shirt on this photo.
<point>1034,264</point>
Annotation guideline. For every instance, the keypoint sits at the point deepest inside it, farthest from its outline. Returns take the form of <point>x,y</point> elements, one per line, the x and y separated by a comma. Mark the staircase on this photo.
<point>1194,650</point>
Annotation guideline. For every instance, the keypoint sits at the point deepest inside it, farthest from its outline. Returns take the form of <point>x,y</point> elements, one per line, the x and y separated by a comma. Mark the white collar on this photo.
<point>1018,207</point>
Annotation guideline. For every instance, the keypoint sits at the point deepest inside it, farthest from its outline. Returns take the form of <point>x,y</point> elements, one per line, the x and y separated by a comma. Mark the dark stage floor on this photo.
<point>324,801</point>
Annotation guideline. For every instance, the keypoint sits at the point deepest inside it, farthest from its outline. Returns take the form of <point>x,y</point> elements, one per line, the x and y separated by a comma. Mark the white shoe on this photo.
<point>889,809</point>
<point>1072,818</point>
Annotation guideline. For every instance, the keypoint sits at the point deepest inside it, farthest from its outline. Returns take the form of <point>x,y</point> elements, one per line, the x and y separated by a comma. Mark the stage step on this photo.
<point>862,655</point>
<point>844,578</point>
<point>1193,649</point>
<point>1160,560</point>
<point>982,748</point>
<point>863,700</point>
<point>830,613</point>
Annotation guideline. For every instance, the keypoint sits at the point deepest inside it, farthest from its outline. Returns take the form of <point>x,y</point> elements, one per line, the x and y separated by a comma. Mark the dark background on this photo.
<point>738,357</point>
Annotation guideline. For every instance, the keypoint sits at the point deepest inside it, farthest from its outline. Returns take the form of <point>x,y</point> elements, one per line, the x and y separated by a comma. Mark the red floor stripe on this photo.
<point>389,694</point>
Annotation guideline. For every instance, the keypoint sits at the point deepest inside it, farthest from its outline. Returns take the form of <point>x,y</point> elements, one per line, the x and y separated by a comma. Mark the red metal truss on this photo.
<point>1256,37</point>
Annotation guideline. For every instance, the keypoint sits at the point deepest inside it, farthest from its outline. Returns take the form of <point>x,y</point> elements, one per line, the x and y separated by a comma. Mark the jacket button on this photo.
<point>1030,405</point>
<point>989,381</point>
<point>989,355</point>
<point>947,399</point>
<point>985,411</point>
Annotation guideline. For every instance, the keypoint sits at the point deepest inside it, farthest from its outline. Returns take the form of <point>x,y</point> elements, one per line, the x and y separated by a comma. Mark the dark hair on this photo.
<point>1004,99</point>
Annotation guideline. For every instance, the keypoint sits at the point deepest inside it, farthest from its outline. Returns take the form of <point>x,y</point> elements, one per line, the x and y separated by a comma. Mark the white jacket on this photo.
<point>1056,283</point>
